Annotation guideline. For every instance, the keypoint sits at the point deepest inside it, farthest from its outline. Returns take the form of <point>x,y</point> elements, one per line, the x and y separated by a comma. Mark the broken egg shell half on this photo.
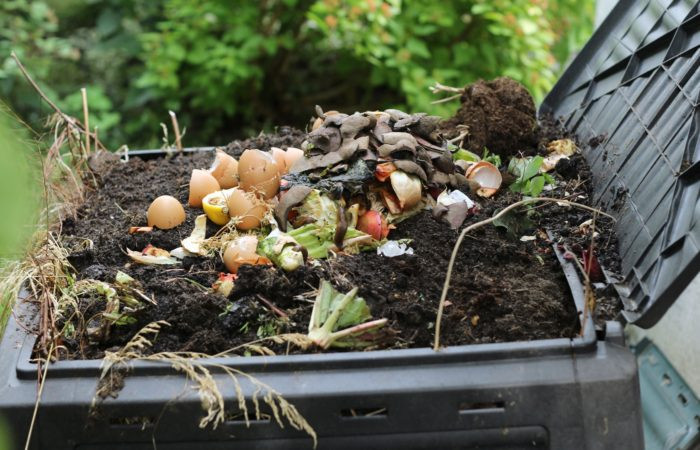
<point>246,208</point>
<point>487,175</point>
<point>374,224</point>
<point>225,170</point>
<point>407,188</point>
<point>258,173</point>
<point>279,155</point>
<point>242,250</point>
<point>215,206</point>
<point>202,183</point>
<point>165,212</point>
<point>292,155</point>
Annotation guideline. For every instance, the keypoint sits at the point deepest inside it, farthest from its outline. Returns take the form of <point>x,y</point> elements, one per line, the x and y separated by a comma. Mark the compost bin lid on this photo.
<point>631,96</point>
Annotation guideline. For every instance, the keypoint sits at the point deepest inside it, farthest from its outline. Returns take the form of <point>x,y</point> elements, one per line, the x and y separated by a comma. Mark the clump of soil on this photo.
<point>285,137</point>
<point>503,289</point>
<point>500,115</point>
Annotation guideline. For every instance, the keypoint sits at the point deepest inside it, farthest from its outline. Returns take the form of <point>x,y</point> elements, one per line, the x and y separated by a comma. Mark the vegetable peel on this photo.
<point>152,256</point>
<point>193,243</point>
<point>339,320</point>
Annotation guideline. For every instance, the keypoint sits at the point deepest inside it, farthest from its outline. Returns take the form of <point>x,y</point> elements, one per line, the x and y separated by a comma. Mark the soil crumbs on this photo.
<point>502,289</point>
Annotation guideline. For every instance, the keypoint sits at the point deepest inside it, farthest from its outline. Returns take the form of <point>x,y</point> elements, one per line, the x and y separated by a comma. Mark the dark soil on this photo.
<point>502,289</point>
<point>500,115</point>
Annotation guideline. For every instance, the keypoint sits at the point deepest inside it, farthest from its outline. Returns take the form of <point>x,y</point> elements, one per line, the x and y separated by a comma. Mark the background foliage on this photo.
<point>231,68</point>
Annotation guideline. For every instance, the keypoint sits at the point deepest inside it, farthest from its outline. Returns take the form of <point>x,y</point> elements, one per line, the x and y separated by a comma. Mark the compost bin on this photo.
<point>631,94</point>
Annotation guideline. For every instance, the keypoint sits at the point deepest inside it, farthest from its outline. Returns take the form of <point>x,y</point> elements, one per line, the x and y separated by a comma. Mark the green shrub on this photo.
<point>230,71</point>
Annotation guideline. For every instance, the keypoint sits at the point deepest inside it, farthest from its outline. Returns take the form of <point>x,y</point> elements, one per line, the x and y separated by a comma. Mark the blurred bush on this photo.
<point>233,68</point>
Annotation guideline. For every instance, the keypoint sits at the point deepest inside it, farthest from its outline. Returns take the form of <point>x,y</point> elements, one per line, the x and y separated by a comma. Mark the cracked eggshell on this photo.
<point>242,250</point>
<point>225,170</point>
<point>202,183</point>
<point>487,175</point>
<point>246,208</point>
<point>292,155</point>
<point>279,155</point>
<point>258,172</point>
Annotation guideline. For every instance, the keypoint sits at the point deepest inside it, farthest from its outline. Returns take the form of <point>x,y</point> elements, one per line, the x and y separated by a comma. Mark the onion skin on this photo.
<point>202,183</point>
<point>384,170</point>
<point>407,188</point>
<point>165,213</point>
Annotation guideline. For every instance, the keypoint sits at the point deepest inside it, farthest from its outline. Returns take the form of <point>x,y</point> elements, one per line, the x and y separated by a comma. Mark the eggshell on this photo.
<point>242,250</point>
<point>246,208</point>
<point>225,170</point>
<point>165,213</point>
<point>292,155</point>
<point>258,172</point>
<point>202,183</point>
<point>279,156</point>
<point>488,177</point>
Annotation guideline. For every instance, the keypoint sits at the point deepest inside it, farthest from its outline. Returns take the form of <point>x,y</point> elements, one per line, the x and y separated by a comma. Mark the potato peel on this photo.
<point>193,243</point>
<point>152,256</point>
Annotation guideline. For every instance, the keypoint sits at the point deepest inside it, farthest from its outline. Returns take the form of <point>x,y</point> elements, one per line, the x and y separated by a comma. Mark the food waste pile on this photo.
<point>335,238</point>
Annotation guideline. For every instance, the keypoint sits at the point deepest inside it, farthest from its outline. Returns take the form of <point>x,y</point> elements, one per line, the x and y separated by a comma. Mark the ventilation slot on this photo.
<point>237,417</point>
<point>482,407</point>
<point>357,413</point>
<point>132,422</point>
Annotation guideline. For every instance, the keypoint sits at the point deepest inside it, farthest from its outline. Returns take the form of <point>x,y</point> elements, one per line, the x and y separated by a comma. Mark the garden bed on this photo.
<point>503,288</point>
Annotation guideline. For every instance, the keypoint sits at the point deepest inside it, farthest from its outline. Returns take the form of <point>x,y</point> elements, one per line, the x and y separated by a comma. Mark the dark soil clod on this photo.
<point>500,116</point>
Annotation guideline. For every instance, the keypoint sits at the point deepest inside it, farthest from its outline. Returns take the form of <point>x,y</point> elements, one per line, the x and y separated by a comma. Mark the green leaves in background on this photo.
<point>230,69</point>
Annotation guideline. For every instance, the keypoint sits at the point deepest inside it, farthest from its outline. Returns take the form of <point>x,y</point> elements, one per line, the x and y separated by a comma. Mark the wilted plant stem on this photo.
<point>176,129</point>
<point>86,118</point>
<point>453,257</point>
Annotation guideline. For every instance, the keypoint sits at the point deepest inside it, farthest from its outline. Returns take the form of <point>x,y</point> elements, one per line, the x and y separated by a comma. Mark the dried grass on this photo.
<point>197,367</point>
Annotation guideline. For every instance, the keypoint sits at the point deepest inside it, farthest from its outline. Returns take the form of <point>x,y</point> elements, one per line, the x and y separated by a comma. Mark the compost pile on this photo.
<point>337,238</point>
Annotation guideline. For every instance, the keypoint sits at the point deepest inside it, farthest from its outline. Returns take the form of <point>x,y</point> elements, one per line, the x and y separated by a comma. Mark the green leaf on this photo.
<point>465,155</point>
<point>355,313</point>
<point>418,48</point>
<point>514,222</point>
<point>108,22</point>
<point>532,167</point>
<point>536,185</point>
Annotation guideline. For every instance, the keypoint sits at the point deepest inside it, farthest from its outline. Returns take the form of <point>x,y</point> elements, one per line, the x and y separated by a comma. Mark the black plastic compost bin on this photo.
<point>633,91</point>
